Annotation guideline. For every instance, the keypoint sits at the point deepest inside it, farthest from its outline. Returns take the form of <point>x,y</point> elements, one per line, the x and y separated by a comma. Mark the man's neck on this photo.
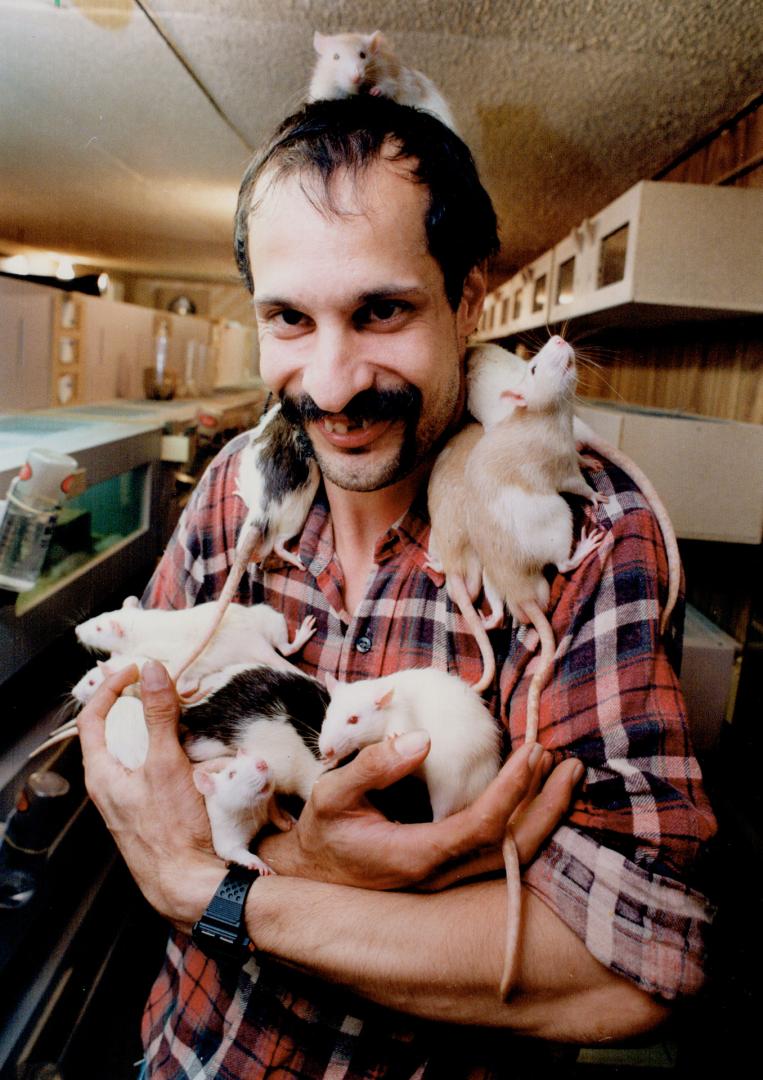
<point>359,518</point>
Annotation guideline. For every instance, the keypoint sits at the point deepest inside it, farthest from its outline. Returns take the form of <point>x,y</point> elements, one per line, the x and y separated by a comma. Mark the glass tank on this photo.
<point>103,517</point>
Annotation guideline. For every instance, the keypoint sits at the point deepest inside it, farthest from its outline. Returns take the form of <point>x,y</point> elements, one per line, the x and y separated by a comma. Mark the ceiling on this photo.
<point>125,125</point>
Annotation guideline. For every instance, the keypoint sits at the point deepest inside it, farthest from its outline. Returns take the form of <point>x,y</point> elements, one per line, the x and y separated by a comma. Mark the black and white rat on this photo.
<point>278,478</point>
<point>266,718</point>
<point>354,63</point>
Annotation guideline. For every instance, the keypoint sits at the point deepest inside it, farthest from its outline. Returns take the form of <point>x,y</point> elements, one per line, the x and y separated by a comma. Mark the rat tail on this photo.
<point>586,434</point>
<point>460,597</point>
<point>543,674</point>
<point>513,912</point>
<point>247,548</point>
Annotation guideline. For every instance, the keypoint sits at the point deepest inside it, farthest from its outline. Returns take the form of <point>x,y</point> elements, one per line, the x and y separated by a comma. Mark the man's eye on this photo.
<point>379,311</point>
<point>290,317</point>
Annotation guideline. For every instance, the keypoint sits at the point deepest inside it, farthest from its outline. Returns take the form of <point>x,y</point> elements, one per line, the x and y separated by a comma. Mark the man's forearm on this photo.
<point>440,956</point>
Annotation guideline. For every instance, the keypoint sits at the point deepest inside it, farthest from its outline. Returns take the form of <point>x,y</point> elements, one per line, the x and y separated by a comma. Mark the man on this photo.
<point>362,230</point>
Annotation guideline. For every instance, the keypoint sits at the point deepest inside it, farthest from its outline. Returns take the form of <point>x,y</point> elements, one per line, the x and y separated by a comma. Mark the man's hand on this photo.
<point>341,837</point>
<point>155,813</point>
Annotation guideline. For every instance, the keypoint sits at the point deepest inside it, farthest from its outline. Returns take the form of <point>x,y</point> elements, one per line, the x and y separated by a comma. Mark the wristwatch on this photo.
<point>221,930</point>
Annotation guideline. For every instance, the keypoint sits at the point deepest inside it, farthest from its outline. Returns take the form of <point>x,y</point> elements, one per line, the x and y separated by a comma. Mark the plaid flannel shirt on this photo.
<point>619,871</point>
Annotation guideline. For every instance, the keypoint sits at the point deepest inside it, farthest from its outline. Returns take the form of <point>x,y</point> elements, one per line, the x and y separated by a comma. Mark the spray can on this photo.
<point>34,500</point>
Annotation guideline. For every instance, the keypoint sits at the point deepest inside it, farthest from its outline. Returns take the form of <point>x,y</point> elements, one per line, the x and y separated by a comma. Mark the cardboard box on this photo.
<point>708,471</point>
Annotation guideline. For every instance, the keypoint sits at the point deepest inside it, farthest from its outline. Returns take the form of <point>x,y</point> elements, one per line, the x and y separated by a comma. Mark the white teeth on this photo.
<point>339,427</point>
<point>365,424</point>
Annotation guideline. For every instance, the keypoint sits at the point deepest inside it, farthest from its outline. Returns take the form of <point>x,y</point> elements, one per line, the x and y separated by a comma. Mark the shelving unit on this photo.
<point>660,253</point>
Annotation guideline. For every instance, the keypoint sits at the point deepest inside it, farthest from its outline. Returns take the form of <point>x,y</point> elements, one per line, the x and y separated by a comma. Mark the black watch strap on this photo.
<point>221,930</point>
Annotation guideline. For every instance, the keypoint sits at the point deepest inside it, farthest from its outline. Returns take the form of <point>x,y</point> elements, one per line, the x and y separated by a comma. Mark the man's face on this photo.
<point>356,333</point>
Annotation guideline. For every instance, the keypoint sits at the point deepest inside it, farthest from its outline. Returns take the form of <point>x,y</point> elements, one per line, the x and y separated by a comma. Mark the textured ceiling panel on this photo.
<point>113,145</point>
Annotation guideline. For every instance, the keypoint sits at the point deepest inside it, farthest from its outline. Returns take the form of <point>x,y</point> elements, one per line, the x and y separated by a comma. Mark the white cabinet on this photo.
<point>661,252</point>
<point>26,324</point>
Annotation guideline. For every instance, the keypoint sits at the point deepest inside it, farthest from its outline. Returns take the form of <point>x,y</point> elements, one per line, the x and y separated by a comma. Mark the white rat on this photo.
<point>464,753</point>
<point>450,549</point>
<point>257,635</point>
<point>238,795</point>
<point>353,63</point>
<point>463,758</point>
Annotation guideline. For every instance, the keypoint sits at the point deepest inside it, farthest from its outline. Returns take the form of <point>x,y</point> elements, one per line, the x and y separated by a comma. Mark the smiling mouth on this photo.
<point>342,427</point>
<point>347,434</point>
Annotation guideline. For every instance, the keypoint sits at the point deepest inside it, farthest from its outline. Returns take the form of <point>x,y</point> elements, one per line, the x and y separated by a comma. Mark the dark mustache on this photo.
<point>370,405</point>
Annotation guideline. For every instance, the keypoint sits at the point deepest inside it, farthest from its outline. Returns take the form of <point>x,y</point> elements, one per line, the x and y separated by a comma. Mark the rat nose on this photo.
<point>335,371</point>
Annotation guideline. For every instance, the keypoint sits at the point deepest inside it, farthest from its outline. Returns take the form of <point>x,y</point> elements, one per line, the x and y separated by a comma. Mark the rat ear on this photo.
<point>515,397</point>
<point>202,778</point>
<point>376,41</point>
<point>130,601</point>
<point>385,699</point>
<point>318,41</point>
<point>331,682</point>
<point>116,628</point>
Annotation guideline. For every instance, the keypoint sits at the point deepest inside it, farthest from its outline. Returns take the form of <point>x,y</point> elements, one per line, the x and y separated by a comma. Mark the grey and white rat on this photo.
<point>450,549</point>
<point>355,63</point>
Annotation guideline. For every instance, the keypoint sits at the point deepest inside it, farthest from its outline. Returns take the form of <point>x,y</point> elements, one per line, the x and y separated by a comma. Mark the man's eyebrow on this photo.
<point>383,292</point>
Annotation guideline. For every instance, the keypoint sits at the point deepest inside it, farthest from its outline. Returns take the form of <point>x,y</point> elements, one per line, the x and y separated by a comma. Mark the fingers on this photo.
<point>90,721</point>
<point>374,768</point>
<point>542,815</point>
<point>160,708</point>
<point>483,823</point>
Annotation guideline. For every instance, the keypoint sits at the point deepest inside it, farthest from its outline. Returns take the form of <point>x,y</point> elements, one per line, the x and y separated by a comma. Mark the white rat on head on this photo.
<point>355,63</point>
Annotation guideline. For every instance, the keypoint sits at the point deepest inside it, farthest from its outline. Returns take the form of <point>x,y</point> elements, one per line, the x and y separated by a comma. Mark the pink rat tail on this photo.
<point>543,674</point>
<point>245,552</point>
<point>460,596</point>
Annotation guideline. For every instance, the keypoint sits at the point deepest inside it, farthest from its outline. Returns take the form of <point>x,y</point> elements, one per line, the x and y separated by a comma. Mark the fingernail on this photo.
<point>577,771</point>
<point>412,743</point>
<point>154,675</point>
<point>534,756</point>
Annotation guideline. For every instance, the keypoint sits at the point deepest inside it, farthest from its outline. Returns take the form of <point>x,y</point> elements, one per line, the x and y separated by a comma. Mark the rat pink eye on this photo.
<point>352,719</point>
<point>231,773</point>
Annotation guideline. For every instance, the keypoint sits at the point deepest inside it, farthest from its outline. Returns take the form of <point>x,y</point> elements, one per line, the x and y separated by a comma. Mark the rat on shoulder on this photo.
<point>450,549</point>
<point>277,480</point>
<point>356,63</point>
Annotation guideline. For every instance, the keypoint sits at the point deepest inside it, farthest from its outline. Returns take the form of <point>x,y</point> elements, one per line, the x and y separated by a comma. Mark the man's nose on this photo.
<point>336,369</point>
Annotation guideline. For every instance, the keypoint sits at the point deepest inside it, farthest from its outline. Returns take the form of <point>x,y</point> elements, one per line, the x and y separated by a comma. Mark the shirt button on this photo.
<point>363,644</point>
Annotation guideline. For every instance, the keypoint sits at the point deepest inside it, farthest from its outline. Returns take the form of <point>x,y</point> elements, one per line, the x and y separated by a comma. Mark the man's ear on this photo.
<point>472,299</point>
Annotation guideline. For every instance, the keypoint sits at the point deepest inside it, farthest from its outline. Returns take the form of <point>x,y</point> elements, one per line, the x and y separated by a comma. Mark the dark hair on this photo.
<point>350,133</point>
